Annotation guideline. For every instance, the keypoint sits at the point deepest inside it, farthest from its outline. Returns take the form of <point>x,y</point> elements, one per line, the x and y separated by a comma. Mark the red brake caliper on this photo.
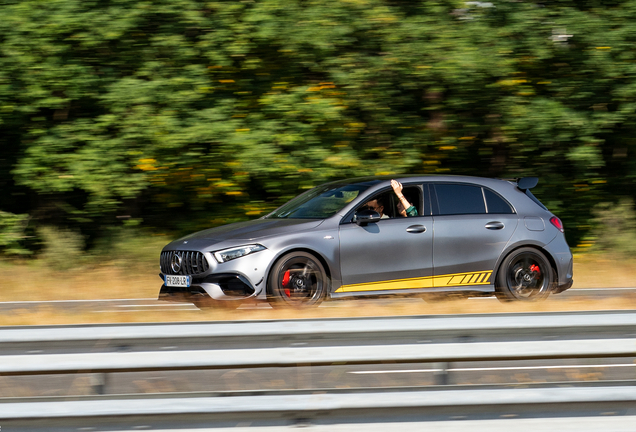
<point>285,283</point>
<point>535,269</point>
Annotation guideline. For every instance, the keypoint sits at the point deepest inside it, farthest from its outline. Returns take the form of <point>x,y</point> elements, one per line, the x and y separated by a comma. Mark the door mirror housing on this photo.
<point>366,216</point>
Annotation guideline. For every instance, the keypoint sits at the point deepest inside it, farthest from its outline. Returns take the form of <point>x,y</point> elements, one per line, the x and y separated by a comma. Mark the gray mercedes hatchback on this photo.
<point>462,236</point>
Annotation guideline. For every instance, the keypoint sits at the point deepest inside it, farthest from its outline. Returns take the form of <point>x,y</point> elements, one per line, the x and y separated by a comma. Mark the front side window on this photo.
<point>387,204</point>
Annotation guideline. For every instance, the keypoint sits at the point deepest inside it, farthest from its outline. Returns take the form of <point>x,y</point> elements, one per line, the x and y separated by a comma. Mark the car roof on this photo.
<point>506,187</point>
<point>377,180</point>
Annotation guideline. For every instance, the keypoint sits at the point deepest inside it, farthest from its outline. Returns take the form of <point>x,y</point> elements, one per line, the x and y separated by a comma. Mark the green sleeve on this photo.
<point>411,211</point>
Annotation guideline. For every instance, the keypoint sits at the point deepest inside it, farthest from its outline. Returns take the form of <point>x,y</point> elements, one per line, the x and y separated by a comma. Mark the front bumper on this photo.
<point>239,279</point>
<point>218,287</point>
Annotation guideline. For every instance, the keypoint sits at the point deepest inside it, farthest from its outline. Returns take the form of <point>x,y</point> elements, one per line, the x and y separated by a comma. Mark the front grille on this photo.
<point>191,263</point>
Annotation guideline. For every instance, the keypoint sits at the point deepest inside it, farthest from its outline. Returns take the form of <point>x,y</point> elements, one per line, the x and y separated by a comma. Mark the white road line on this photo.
<point>493,369</point>
<point>599,289</point>
<point>395,371</point>
<point>156,305</point>
<point>193,308</point>
<point>78,301</point>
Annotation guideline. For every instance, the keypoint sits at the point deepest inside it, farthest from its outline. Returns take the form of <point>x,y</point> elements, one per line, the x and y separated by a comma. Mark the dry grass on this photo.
<point>34,281</point>
<point>46,315</point>
<point>603,271</point>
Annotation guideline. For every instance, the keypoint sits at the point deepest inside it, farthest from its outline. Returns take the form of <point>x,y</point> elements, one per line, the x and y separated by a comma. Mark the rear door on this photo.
<point>472,225</point>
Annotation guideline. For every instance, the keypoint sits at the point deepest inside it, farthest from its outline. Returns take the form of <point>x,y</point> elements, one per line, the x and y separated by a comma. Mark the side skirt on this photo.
<point>481,289</point>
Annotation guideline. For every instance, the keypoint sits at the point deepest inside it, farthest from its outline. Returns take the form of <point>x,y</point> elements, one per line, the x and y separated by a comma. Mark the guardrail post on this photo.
<point>303,375</point>
<point>441,373</point>
<point>98,382</point>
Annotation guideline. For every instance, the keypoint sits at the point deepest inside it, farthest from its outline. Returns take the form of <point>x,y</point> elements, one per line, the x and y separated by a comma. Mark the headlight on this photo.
<point>226,255</point>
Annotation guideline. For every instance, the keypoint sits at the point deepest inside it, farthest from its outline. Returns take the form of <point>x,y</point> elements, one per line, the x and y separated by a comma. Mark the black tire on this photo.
<point>525,275</point>
<point>297,279</point>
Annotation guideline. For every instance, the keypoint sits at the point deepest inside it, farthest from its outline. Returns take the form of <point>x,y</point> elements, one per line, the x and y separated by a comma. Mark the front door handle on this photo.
<point>495,225</point>
<point>416,229</point>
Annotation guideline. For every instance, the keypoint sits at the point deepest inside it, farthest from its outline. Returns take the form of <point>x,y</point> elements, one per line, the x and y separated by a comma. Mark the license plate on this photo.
<point>177,281</point>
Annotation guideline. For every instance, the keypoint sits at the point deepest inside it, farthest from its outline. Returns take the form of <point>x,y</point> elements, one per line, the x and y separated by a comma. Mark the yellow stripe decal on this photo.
<point>457,279</point>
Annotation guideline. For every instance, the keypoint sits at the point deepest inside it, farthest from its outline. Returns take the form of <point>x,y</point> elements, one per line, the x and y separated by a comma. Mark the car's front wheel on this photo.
<point>297,279</point>
<point>525,274</point>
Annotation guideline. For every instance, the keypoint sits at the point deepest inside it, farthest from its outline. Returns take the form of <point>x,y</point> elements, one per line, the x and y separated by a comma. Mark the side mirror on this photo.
<point>366,216</point>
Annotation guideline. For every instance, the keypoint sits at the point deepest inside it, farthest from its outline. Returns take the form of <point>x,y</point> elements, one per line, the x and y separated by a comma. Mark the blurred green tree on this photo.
<point>189,113</point>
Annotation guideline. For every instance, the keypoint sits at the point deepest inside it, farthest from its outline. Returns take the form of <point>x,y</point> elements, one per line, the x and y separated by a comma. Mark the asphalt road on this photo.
<point>327,378</point>
<point>150,304</point>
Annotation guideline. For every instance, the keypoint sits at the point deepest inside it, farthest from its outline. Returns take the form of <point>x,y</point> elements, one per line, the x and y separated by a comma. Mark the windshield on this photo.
<point>320,202</point>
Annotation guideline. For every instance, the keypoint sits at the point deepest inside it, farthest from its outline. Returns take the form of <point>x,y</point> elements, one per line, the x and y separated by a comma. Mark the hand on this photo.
<point>397,187</point>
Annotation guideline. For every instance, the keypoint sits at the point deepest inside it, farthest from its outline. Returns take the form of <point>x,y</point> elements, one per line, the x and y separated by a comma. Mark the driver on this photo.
<point>377,205</point>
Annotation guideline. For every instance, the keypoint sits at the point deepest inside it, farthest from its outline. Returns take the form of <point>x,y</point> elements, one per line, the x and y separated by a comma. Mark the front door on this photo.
<point>391,254</point>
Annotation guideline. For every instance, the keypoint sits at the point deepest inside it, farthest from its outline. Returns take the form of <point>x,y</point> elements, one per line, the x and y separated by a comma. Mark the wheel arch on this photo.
<point>313,252</point>
<point>539,248</point>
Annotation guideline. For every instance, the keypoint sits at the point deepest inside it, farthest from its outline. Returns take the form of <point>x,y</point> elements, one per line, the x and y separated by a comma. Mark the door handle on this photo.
<point>495,225</point>
<point>416,229</point>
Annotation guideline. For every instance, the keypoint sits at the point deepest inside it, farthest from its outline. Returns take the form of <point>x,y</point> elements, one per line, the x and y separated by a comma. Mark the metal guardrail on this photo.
<point>359,329</point>
<point>585,339</point>
<point>314,356</point>
<point>311,404</point>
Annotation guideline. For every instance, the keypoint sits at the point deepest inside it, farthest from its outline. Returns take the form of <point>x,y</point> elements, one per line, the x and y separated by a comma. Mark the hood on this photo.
<point>253,230</point>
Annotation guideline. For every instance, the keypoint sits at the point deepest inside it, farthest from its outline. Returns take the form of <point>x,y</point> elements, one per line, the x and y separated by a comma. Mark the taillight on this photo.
<point>557,223</point>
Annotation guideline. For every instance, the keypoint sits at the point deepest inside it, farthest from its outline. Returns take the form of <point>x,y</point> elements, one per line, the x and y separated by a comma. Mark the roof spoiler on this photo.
<point>525,183</point>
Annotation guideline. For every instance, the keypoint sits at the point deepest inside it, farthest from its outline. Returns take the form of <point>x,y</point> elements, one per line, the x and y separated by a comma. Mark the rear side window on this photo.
<point>456,199</point>
<point>496,204</point>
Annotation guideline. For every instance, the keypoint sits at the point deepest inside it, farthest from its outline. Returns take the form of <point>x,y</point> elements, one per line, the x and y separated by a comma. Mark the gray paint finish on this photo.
<point>465,243</point>
<point>534,223</point>
<point>386,251</point>
<point>389,249</point>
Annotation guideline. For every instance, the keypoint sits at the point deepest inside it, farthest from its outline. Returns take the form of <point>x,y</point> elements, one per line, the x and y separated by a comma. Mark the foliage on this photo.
<point>189,113</point>
<point>63,248</point>
<point>12,233</point>
<point>617,225</point>
<point>128,247</point>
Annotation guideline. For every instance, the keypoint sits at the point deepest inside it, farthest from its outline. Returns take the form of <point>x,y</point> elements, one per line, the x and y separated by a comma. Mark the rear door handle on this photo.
<point>416,229</point>
<point>495,225</point>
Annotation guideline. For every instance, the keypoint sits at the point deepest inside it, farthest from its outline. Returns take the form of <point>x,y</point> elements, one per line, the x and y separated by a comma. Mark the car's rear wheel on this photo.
<point>525,275</point>
<point>298,279</point>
